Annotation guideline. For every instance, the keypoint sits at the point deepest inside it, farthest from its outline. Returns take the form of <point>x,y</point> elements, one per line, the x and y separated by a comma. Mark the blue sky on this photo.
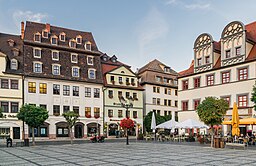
<point>136,31</point>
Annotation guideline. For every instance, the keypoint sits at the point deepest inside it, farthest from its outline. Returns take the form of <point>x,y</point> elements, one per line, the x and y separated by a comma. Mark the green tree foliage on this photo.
<point>33,116</point>
<point>253,98</point>
<point>211,111</point>
<point>1,113</point>
<point>159,119</point>
<point>71,118</point>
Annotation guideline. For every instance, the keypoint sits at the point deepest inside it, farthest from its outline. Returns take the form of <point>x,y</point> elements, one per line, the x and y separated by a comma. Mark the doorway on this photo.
<point>16,133</point>
<point>79,131</point>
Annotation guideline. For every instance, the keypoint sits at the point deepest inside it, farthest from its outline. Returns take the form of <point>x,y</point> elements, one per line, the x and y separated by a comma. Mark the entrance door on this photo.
<point>78,131</point>
<point>16,133</point>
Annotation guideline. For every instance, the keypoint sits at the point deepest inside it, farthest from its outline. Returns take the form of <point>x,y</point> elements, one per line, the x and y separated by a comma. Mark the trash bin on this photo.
<point>26,142</point>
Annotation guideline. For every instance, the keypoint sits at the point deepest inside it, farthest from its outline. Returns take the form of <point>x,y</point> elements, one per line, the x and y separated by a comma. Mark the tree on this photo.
<point>1,113</point>
<point>71,118</point>
<point>211,111</point>
<point>159,119</point>
<point>33,116</point>
<point>253,98</point>
<point>127,123</point>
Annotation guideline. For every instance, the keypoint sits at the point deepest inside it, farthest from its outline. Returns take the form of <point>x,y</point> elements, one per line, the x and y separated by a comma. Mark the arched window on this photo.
<point>54,40</point>
<point>62,37</point>
<point>37,37</point>
<point>72,43</point>
<point>14,64</point>
<point>45,33</point>
<point>79,39</point>
<point>88,45</point>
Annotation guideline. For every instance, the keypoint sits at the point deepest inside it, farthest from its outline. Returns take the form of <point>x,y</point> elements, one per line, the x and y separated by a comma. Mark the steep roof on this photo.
<point>250,35</point>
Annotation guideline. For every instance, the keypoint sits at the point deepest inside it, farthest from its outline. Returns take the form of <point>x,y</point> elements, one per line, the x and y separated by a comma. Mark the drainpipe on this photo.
<point>103,90</point>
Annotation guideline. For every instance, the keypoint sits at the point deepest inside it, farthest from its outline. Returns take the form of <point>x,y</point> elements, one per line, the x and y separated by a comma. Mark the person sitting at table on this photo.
<point>248,138</point>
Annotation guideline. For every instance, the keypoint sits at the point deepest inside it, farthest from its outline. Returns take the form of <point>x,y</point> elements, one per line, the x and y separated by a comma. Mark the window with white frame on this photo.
<point>92,73</point>
<point>56,69</point>
<point>62,37</point>
<point>54,40</point>
<point>55,55</point>
<point>242,100</point>
<point>90,60</point>
<point>45,33</point>
<point>37,67</point>
<point>37,37</point>
<point>37,52</point>
<point>72,43</point>
<point>79,39</point>
<point>74,58</point>
<point>75,71</point>
<point>14,64</point>
<point>88,45</point>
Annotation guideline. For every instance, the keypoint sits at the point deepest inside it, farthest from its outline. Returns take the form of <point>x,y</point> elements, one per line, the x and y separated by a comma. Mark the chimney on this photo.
<point>22,30</point>
<point>48,27</point>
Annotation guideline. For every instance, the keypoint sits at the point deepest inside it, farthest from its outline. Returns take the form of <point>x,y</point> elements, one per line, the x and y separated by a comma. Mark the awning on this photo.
<point>246,121</point>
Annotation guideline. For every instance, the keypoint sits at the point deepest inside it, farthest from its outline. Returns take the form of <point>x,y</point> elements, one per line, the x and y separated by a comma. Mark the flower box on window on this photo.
<point>127,83</point>
<point>113,82</point>
<point>110,96</point>
<point>133,83</point>
<point>135,98</point>
<point>110,116</point>
<point>96,116</point>
<point>135,116</point>
<point>88,116</point>
<point>120,116</point>
<point>120,82</point>
<point>56,114</point>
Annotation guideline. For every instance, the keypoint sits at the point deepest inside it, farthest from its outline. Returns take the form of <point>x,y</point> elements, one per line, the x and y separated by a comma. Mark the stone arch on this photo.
<point>232,28</point>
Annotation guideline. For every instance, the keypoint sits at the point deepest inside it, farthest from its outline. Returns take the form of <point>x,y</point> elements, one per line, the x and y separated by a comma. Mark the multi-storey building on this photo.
<point>161,88</point>
<point>120,82</point>
<point>62,72</point>
<point>11,61</point>
<point>224,69</point>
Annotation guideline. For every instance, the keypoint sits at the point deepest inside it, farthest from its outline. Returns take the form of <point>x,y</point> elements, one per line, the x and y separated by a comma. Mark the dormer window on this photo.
<point>90,60</point>
<point>14,64</point>
<point>37,52</point>
<point>11,42</point>
<point>45,33</point>
<point>207,59</point>
<point>54,40</point>
<point>74,58</point>
<point>166,69</point>
<point>238,51</point>
<point>114,59</point>
<point>199,61</point>
<point>37,37</point>
<point>79,39</point>
<point>15,51</point>
<point>72,43</point>
<point>62,37</point>
<point>228,54</point>
<point>88,45</point>
<point>55,55</point>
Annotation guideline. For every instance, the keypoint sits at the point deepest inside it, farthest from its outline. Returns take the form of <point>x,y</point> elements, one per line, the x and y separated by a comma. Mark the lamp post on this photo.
<point>126,105</point>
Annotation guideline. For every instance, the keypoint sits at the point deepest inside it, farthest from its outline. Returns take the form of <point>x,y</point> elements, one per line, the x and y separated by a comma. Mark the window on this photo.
<point>55,55</point>
<point>74,58</point>
<point>210,80</point>
<point>43,106</point>
<point>225,77</point>
<point>165,102</point>
<point>127,95</point>
<point>176,103</point>
<point>196,103</point>
<point>158,101</point>
<point>88,46</point>
<point>227,99</point>
<point>91,73</point>
<point>72,43</point>
<point>165,80</point>
<point>158,112</point>
<point>54,40</point>
<point>56,69</point>
<point>37,67</point>
<point>175,82</point>
<point>14,64</point>
<point>184,105</point>
<point>56,110</point>
<point>166,70</point>
<point>169,103</point>
<point>112,78</point>
<point>96,93</point>
<point>127,81</point>
<point>120,94</point>
<point>135,97</point>
<point>43,88</point>
<point>128,114</point>
<point>135,114</point>
<point>62,36</point>
<point>242,100</point>
<point>14,107</point>
<point>154,101</point>
<point>76,109</point>
<point>110,113</point>
<point>154,89</point>
<point>197,82</point>
<point>65,109</point>
<point>207,59</point>
<point>185,85</point>
<point>79,40</point>
<point>199,61</point>
<point>5,106</point>
<point>75,71</point>
<point>90,60</point>
<point>37,37</point>
<point>37,52</point>
<point>176,92</point>
<point>45,33</point>
<point>165,113</point>
<point>167,91</point>
<point>158,79</point>
<point>56,89</point>
<point>120,79</point>
<point>4,83</point>
<point>66,90</point>
<point>132,81</point>
<point>228,53</point>
<point>243,74</point>
<point>87,92</point>
<point>31,87</point>
<point>88,112</point>
<point>14,84</point>
<point>75,90</point>
<point>157,89</point>
<point>96,112</point>
<point>238,51</point>
<point>110,94</point>
<point>120,113</point>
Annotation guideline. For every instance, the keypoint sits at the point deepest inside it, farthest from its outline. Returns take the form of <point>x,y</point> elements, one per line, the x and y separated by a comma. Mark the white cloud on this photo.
<point>153,27</point>
<point>19,16</point>
<point>198,6</point>
<point>195,5</point>
<point>171,2</point>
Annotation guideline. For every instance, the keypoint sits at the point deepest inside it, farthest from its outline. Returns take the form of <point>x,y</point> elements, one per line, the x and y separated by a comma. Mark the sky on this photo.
<point>136,31</point>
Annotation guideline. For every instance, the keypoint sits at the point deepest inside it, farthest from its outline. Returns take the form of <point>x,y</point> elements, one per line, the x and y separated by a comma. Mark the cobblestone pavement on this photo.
<point>112,154</point>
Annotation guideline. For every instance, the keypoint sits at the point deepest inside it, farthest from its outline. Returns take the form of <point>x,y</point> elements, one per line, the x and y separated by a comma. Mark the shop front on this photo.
<point>10,129</point>
<point>62,129</point>
<point>41,131</point>
<point>113,129</point>
<point>93,129</point>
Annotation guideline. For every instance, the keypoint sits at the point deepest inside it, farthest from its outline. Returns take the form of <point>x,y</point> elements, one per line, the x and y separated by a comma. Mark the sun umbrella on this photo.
<point>153,122</point>
<point>235,121</point>
<point>167,125</point>
<point>190,123</point>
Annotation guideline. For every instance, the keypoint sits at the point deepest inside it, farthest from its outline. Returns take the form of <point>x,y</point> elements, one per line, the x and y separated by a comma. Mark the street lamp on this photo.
<point>126,105</point>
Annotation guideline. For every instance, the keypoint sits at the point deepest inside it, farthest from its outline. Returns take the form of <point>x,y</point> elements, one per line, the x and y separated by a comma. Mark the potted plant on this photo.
<point>133,83</point>
<point>120,82</point>
<point>88,116</point>
<point>127,83</point>
<point>96,116</point>
<point>113,82</point>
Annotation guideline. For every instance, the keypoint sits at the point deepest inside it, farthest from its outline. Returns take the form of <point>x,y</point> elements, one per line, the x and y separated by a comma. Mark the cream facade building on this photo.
<point>224,69</point>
